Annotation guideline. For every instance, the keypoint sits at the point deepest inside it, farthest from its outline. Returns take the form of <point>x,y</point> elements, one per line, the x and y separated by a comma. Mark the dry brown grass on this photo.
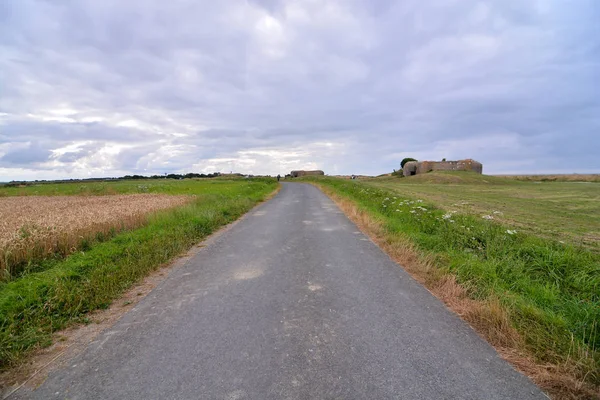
<point>489,319</point>
<point>37,226</point>
<point>555,177</point>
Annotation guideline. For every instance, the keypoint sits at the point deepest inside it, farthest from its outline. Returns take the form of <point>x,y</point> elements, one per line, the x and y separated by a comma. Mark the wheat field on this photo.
<point>38,226</point>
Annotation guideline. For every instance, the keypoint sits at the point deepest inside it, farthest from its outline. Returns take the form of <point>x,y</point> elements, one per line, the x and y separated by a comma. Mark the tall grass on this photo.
<point>549,290</point>
<point>40,303</point>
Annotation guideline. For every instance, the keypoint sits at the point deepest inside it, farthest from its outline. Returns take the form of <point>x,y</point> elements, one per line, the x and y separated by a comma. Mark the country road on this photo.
<point>292,302</point>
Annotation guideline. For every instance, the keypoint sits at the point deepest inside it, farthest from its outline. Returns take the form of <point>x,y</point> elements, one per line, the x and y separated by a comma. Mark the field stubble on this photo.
<point>36,227</point>
<point>555,177</point>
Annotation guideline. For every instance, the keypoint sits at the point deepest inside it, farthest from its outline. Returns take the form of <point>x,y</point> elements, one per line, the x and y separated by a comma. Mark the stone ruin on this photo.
<point>421,167</point>
<point>296,174</point>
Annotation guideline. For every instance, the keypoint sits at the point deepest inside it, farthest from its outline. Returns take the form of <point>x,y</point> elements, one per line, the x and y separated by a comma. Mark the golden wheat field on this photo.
<point>35,226</point>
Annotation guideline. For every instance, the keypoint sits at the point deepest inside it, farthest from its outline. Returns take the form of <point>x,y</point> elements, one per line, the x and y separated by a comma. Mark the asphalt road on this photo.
<point>292,302</point>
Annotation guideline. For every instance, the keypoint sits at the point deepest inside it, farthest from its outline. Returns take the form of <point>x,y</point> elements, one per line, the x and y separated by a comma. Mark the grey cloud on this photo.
<point>51,131</point>
<point>30,154</point>
<point>81,152</point>
<point>180,85</point>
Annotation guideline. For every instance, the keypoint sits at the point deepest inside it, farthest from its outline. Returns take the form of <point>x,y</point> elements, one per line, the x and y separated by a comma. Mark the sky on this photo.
<point>93,88</point>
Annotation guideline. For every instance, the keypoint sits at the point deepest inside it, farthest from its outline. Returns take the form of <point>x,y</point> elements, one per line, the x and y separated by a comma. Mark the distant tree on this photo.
<point>444,159</point>
<point>407,159</point>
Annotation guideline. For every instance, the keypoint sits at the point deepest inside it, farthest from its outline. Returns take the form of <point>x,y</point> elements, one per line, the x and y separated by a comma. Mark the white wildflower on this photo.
<point>487,217</point>
<point>511,232</point>
<point>412,211</point>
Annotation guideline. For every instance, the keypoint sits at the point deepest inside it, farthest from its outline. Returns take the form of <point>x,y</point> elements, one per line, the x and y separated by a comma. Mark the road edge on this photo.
<point>33,370</point>
<point>554,382</point>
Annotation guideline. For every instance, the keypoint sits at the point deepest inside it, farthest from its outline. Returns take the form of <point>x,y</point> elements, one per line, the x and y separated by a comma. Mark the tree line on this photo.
<point>121,178</point>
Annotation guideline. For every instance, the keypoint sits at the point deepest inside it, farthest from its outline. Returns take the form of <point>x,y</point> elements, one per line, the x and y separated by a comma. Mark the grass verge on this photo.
<point>37,304</point>
<point>537,301</point>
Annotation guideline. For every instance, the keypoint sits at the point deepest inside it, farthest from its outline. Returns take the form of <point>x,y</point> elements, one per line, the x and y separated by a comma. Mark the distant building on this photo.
<point>421,167</point>
<point>296,174</point>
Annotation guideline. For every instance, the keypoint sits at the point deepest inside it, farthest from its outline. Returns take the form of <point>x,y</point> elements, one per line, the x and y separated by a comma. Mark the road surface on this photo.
<point>292,302</point>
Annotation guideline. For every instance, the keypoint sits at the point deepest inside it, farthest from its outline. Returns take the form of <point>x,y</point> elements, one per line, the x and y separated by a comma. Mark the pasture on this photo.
<point>566,211</point>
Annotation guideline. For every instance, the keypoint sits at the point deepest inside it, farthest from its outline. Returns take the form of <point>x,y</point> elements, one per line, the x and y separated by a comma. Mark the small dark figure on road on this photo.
<point>278,177</point>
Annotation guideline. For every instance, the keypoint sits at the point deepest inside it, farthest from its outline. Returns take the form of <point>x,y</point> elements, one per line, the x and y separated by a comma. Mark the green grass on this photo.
<point>168,186</point>
<point>564,211</point>
<point>37,304</point>
<point>550,290</point>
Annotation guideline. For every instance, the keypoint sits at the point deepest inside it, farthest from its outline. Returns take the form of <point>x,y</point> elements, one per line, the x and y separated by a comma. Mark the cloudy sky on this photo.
<point>92,88</point>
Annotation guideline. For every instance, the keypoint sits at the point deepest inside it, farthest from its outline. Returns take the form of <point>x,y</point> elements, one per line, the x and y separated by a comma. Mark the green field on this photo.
<point>536,256</point>
<point>59,291</point>
<point>95,188</point>
<point>567,211</point>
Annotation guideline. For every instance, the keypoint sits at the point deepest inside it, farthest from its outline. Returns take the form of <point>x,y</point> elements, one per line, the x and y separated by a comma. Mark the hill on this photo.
<point>450,177</point>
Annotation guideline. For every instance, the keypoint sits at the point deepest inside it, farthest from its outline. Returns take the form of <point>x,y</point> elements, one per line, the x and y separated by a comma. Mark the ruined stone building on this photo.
<point>421,167</point>
<point>296,174</point>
